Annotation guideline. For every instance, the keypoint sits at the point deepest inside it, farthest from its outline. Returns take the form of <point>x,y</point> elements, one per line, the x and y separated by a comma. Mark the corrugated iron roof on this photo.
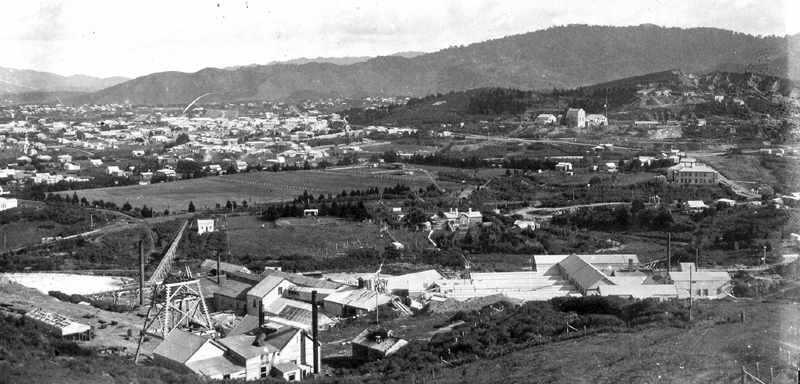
<point>180,345</point>
<point>582,273</point>
<point>359,298</point>
<point>265,286</point>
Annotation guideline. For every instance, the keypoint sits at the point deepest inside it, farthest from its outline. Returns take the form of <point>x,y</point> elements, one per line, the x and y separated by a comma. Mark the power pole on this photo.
<point>669,250</point>
<point>690,294</point>
<point>696,256</point>
<point>141,272</point>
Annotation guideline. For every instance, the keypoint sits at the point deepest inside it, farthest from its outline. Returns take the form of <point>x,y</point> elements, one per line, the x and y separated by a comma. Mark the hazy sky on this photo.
<point>137,37</point>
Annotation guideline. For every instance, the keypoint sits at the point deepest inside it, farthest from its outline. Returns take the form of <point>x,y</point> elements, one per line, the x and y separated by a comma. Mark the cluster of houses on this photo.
<point>276,313</point>
<point>573,118</point>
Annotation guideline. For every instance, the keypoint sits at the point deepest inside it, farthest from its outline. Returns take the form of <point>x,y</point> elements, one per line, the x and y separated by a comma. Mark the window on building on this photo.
<point>290,377</point>
<point>263,371</point>
<point>226,377</point>
<point>705,292</point>
<point>280,291</point>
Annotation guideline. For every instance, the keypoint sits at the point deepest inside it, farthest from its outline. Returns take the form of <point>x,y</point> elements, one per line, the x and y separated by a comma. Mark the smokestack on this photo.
<point>141,272</point>
<point>260,314</point>
<point>219,271</point>
<point>314,331</point>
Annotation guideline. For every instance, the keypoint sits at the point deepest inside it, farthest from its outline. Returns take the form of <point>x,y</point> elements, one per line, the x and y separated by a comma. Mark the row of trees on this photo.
<point>620,218</point>
<point>523,163</point>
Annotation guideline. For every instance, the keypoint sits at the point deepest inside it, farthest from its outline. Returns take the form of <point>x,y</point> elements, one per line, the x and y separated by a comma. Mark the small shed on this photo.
<point>375,344</point>
<point>59,325</point>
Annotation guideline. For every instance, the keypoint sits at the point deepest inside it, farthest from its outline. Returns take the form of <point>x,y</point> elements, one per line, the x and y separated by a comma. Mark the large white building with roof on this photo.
<point>692,173</point>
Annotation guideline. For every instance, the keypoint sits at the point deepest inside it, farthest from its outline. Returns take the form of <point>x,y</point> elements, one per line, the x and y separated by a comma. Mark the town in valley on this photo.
<point>541,207</point>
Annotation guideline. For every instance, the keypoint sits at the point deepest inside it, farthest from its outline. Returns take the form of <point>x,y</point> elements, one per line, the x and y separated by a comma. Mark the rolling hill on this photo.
<point>562,57</point>
<point>26,81</point>
<point>660,95</point>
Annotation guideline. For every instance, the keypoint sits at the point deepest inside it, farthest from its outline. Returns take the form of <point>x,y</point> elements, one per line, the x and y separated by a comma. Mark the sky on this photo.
<point>136,37</point>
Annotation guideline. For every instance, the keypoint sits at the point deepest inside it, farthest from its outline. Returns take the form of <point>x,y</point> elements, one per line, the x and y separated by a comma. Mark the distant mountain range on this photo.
<point>562,57</point>
<point>29,81</point>
<point>347,60</point>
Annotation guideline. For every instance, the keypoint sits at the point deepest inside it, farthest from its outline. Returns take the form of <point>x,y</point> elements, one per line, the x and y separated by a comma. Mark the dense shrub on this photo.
<point>75,299</point>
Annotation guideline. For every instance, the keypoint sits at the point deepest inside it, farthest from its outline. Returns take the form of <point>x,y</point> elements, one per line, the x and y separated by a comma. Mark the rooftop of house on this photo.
<point>697,274</point>
<point>180,345</point>
<point>215,366</point>
<point>286,367</point>
<point>583,273</point>
<point>265,286</point>
<point>233,288</point>
<point>359,298</point>
<point>211,265</point>
<point>595,258</point>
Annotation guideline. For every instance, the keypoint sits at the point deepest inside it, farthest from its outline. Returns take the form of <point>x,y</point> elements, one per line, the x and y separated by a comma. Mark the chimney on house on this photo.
<point>314,331</point>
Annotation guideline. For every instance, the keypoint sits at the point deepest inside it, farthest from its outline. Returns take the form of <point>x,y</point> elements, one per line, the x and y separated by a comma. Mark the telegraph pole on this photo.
<point>669,250</point>
<point>696,256</point>
<point>690,294</point>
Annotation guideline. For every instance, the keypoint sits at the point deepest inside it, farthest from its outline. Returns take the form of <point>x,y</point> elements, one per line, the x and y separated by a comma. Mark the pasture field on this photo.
<point>320,238</point>
<point>253,187</point>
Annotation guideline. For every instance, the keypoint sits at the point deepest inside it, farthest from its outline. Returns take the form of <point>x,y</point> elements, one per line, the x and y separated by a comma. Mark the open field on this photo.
<point>254,187</point>
<point>321,238</point>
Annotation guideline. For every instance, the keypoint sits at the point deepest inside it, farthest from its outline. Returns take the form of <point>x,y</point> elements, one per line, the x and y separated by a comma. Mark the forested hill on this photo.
<point>561,57</point>
<point>652,96</point>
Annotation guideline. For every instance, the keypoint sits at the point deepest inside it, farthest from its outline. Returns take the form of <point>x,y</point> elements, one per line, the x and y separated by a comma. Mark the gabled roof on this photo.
<point>242,345</point>
<point>233,288</point>
<point>246,325</point>
<point>209,265</point>
<point>583,274</point>
<point>276,341</point>
<point>265,286</point>
<point>180,345</point>
<point>285,367</point>
<point>696,204</point>
<point>359,298</point>
<point>592,258</point>
<point>215,366</point>
<point>250,278</point>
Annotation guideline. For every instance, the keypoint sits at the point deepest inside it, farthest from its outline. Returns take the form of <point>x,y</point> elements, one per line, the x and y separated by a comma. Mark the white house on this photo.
<point>564,166</point>
<point>596,120</point>
<point>205,225</point>
<point>575,117</point>
<point>545,119</point>
<point>7,203</point>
